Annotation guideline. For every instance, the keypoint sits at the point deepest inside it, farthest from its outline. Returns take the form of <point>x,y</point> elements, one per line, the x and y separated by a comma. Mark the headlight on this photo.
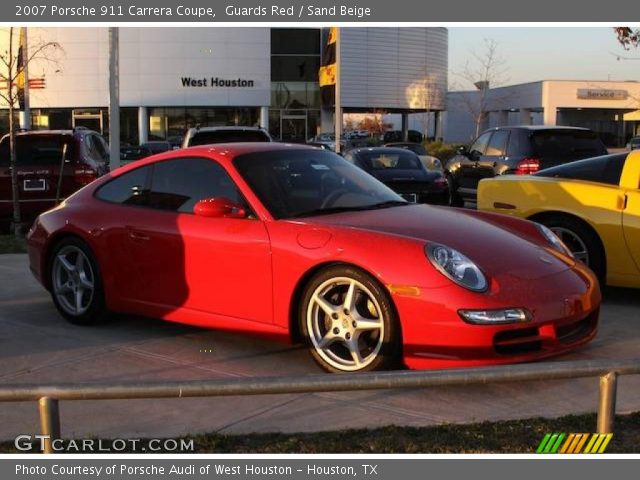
<point>493,317</point>
<point>554,240</point>
<point>455,266</point>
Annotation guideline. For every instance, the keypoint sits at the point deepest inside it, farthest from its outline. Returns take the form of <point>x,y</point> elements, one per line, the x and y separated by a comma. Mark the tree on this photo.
<point>426,94</point>
<point>374,124</point>
<point>628,37</point>
<point>486,69</point>
<point>14,63</point>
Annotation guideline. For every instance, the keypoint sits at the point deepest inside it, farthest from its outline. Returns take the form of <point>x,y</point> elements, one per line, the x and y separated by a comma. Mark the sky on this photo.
<point>545,53</point>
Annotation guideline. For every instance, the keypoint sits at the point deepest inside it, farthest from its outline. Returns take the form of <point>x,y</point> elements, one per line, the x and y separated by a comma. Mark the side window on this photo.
<point>498,144</point>
<point>177,185</point>
<point>96,148</point>
<point>101,147</point>
<point>480,145</point>
<point>128,189</point>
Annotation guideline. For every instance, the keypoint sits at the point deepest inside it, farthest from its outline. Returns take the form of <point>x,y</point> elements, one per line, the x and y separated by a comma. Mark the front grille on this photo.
<point>513,342</point>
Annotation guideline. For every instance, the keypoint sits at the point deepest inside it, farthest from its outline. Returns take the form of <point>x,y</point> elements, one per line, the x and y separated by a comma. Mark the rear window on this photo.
<point>38,150</point>
<point>394,161</point>
<point>567,144</point>
<point>606,169</point>
<point>228,136</point>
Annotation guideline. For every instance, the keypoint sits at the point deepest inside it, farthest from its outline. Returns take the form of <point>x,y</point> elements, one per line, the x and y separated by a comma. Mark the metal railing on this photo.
<point>48,396</point>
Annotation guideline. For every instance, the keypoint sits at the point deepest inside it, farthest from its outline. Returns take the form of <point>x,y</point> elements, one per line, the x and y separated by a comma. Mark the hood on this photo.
<point>497,251</point>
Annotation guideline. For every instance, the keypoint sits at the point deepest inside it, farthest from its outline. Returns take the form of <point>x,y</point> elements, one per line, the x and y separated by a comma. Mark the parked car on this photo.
<point>209,135</point>
<point>131,153</point>
<point>38,162</point>
<point>158,146</point>
<point>633,143</point>
<point>593,205</point>
<point>296,243</point>
<point>403,172</point>
<point>430,162</point>
<point>396,136</point>
<point>328,140</point>
<point>517,150</point>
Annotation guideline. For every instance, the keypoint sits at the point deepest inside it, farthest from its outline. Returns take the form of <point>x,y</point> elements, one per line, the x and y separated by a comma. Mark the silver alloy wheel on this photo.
<point>345,324</point>
<point>73,280</point>
<point>573,242</point>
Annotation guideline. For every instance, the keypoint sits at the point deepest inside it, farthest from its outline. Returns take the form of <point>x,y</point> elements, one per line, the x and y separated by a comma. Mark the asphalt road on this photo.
<point>38,346</point>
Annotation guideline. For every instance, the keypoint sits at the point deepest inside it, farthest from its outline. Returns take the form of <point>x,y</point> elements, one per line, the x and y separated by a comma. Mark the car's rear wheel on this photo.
<point>581,240</point>
<point>349,322</point>
<point>76,286</point>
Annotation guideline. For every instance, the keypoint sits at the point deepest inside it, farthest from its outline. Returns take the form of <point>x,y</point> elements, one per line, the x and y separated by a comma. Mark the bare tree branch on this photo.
<point>486,69</point>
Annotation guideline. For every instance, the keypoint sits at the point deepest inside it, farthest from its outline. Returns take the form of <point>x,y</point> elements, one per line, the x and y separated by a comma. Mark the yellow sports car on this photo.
<point>593,205</point>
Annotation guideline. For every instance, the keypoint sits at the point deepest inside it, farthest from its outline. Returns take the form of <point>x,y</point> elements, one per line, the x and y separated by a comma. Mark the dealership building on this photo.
<point>610,108</point>
<point>171,79</point>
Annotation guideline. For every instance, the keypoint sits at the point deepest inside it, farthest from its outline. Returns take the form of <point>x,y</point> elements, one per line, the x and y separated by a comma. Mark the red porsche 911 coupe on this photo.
<point>294,242</point>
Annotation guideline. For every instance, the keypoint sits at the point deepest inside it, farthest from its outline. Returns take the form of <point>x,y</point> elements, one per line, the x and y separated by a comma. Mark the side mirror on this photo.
<point>462,150</point>
<point>219,207</point>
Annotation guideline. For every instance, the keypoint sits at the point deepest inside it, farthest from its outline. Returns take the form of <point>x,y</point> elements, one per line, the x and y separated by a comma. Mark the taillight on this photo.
<point>84,176</point>
<point>528,166</point>
<point>440,182</point>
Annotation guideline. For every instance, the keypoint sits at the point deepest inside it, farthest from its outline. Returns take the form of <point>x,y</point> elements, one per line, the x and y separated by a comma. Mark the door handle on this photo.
<point>139,236</point>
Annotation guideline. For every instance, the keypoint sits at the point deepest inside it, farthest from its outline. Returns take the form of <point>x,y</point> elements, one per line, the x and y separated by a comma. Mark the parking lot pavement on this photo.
<point>38,346</point>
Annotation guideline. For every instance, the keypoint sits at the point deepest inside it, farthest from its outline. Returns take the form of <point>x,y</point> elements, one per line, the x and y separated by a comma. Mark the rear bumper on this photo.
<point>565,317</point>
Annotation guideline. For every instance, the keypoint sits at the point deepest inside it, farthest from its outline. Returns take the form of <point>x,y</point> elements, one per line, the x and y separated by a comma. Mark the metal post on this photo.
<point>25,115</point>
<point>338,94</point>
<point>114,97</point>
<point>49,422</point>
<point>607,402</point>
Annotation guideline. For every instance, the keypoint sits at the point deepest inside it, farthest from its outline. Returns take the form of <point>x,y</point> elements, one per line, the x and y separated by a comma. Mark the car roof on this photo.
<point>397,144</point>
<point>212,129</point>
<point>383,150</point>
<point>537,128</point>
<point>225,153</point>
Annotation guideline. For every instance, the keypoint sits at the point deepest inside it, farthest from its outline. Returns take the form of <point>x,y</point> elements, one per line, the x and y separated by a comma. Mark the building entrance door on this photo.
<point>91,120</point>
<point>293,128</point>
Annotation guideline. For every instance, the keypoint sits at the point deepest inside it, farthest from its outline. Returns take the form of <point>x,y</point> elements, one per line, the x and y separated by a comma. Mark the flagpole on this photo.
<point>338,100</point>
<point>26,111</point>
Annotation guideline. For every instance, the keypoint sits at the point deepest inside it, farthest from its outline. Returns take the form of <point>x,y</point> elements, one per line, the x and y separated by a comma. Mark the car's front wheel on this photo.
<point>76,286</point>
<point>349,322</point>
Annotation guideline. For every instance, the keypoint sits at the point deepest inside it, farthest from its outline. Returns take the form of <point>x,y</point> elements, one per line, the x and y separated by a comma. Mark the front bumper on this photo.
<point>565,309</point>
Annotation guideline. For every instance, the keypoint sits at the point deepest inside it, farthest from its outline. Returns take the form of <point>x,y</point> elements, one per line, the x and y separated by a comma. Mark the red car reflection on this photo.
<point>296,243</point>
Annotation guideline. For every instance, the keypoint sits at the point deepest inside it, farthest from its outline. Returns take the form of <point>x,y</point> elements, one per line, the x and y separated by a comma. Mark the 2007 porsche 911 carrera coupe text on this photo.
<point>297,243</point>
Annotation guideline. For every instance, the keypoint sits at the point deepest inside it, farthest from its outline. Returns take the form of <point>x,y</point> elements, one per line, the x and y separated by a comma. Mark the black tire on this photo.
<point>453,199</point>
<point>313,321</point>
<point>95,311</point>
<point>596,256</point>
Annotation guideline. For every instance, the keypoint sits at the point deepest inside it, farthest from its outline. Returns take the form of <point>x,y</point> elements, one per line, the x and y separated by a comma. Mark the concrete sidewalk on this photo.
<point>38,346</point>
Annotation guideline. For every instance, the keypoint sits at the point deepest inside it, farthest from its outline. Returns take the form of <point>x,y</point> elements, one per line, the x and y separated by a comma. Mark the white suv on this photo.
<point>209,135</point>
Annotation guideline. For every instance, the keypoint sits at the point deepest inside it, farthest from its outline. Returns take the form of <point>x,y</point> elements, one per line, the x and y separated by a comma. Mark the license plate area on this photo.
<point>34,185</point>
<point>410,197</point>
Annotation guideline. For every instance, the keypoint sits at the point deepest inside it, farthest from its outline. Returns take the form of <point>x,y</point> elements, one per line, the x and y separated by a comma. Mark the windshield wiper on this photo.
<point>375,206</point>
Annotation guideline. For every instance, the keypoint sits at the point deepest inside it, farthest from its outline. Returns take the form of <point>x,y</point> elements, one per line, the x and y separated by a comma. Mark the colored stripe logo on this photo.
<point>574,443</point>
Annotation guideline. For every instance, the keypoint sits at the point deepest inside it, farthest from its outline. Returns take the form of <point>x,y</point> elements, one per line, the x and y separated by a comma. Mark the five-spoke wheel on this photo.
<point>348,321</point>
<point>75,282</point>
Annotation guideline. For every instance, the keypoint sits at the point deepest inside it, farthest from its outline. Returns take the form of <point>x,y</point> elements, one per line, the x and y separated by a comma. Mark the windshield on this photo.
<point>227,136</point>
<point>567,144</point>
<point>395,160</point>
<point>296,183</point>
<point>38,149</point>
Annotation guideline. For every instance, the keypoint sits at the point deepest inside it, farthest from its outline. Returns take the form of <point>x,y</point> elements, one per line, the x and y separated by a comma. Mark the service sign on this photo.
<point>601,94</point>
